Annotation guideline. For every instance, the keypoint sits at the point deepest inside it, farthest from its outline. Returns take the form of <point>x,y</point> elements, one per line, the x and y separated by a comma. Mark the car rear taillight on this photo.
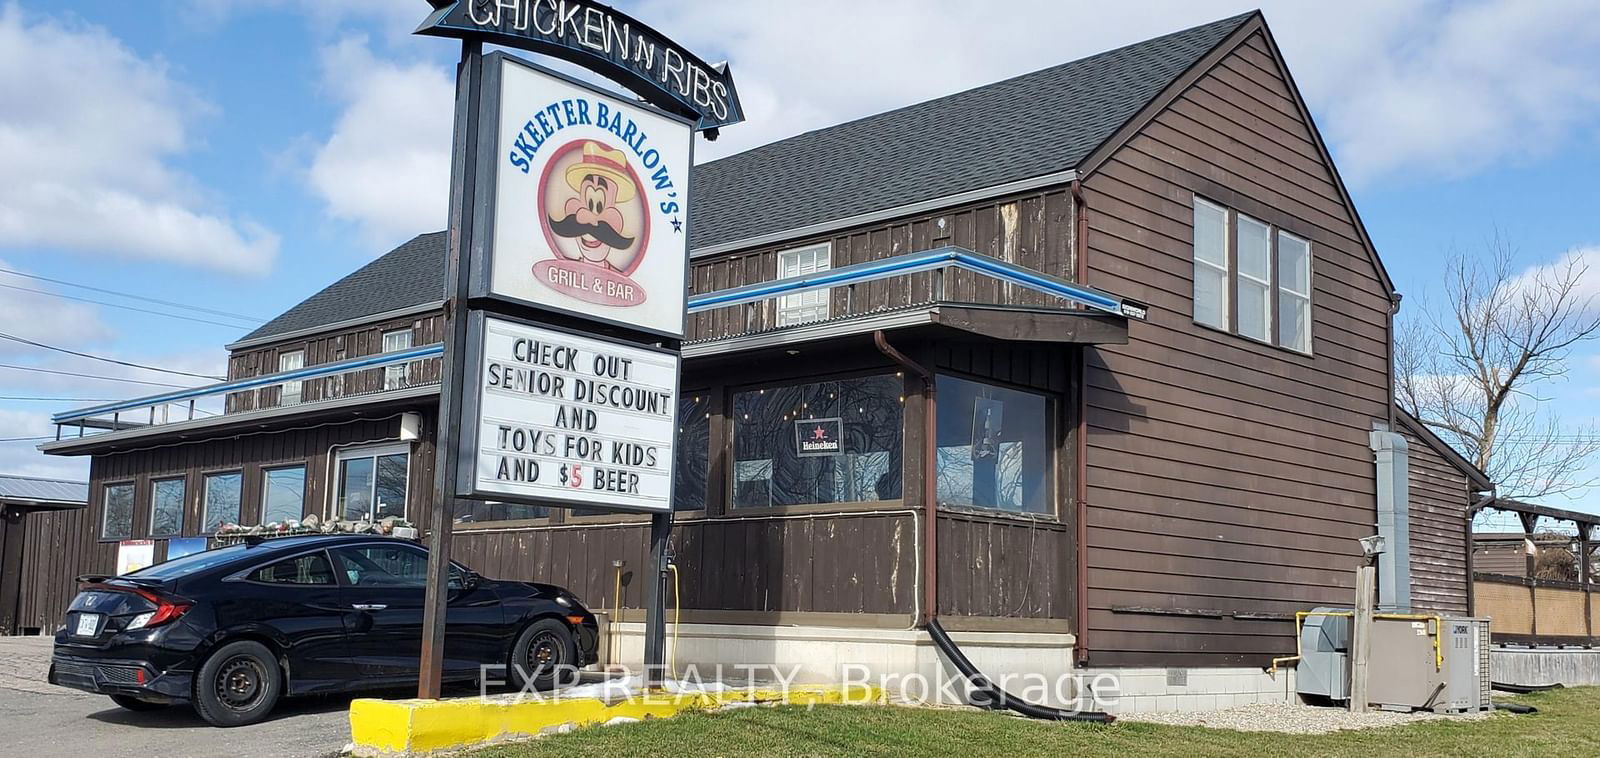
<point>167,609</point>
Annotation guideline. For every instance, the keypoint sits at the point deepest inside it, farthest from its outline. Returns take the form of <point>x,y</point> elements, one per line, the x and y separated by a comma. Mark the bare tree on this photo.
<point>1473,370</point>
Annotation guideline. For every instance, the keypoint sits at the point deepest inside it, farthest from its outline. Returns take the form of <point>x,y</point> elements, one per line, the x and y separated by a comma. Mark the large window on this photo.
<point>222,493</point>
<point>691,452</point>
<point>372,482</point>
<point>1251,278</point>
<point>805,306</point>
<point>118,516</point>
<point>292,360</point>
<point>994,448</point>
<point>166,507</point>
<point>283,494</point>
<point>827,442</point>
<point>394,375</point>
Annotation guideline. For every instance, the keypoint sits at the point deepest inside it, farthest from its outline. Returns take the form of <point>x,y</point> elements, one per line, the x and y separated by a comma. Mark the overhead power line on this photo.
<point>38,370</point>
<point>129,364</point>
<point>132,296</point>
<point>25,439</point>
<point>178,316</point>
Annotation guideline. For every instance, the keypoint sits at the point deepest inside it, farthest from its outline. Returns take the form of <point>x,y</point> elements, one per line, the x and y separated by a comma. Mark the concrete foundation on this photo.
<point>1569,666</point>
<point>904,663</point>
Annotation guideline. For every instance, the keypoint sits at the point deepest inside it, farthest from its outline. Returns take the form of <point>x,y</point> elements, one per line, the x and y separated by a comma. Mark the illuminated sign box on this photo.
<point>555,417</point>
<point>585,201</point>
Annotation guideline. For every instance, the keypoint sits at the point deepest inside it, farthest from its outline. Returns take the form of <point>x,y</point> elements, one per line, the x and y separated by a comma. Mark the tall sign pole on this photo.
<point>568,269</point>
<point>463,183</point>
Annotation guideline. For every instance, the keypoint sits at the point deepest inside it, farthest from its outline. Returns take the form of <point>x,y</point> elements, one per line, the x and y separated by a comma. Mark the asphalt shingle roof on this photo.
<point>1027,126</point>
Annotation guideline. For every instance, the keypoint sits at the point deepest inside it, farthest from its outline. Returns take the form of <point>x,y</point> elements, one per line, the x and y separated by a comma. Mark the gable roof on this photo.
<point>1475,476</point>
<point>407,276</point>
<point>1026,126</point>
<point>1033,125</point>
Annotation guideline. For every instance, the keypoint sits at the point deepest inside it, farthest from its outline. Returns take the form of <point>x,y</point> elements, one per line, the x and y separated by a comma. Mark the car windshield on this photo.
<point>193,562</point>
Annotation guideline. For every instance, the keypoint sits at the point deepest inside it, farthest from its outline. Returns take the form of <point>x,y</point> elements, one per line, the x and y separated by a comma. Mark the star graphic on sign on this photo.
<point>819,434</point>
<point>677,226</point>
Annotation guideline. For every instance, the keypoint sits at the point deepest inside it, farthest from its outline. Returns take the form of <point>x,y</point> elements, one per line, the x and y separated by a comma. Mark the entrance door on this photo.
<point>13,532</point>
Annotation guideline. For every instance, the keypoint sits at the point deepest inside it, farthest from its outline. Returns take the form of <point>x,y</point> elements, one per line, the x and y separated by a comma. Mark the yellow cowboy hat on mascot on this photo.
<point>598,161</point>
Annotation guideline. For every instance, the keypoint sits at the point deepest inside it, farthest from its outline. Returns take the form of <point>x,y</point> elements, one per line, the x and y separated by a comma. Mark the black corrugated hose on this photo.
<point>1523,689</point>
<point>990,696</point>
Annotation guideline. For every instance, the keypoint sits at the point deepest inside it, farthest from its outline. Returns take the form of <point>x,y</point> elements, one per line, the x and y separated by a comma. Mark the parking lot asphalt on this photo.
<point>41,720</point>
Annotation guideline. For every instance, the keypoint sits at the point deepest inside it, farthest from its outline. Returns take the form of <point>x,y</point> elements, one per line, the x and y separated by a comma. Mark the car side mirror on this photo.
<point>470,580</point>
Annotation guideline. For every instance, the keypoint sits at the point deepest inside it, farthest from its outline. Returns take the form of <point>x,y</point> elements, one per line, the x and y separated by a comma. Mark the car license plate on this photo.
<point>88,624</point>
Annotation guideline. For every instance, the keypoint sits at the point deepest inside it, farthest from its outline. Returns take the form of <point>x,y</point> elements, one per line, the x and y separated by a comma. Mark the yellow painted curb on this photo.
<point>406,727</point>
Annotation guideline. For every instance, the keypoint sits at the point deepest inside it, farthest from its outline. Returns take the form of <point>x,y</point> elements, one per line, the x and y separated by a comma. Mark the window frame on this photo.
<point>730,478</point>
<point>183,505</point>
<point>284,394</point>
<point>374,452</point>
<point>105,510</point>
<point>205,497</point>
<point>1275,284</point>
<point>1226,268</point>
<point>305,485</point>
<point>786,304</point>
<point>396,375</point>
<point>1054,427</point>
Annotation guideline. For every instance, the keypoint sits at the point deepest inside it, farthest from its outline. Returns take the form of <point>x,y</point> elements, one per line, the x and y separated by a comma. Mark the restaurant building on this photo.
<point>1153,492</point>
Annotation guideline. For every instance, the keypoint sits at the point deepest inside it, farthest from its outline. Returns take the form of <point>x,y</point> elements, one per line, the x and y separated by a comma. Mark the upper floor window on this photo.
<point>1251,278</point>
<point>394,375</point>
<point>118,517</point>
<point>804,306</point>
<point>291,360</point>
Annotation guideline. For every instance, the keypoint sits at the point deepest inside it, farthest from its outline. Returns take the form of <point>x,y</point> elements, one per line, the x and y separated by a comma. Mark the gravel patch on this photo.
<point>1291,719</point>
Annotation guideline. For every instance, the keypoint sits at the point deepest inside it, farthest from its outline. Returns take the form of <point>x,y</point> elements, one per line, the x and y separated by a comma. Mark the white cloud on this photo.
<point>1437,87</point>
<point>22,458</point>
<point>386,164</point>
<point>1420,89</point>
<point>88,133</point>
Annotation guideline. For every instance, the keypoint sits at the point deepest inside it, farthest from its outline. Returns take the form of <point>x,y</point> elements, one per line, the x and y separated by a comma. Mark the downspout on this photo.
<point>1080,442</point>
<point>1466,540</point>
<point>930,492</point>
<point>1394,308</point>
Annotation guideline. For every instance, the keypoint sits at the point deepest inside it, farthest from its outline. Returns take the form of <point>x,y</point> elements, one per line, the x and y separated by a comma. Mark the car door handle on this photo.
<point>369,606</point>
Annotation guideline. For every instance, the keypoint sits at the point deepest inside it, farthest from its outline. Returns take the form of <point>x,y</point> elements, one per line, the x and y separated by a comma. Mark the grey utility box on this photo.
<point>1324,667</point>
<point>1403,672</point>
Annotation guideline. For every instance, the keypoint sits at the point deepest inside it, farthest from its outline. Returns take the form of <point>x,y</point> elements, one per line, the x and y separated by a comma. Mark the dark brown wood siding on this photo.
<point>1504,557</point>
<point>332,347</point>
<point>1439,500</point>
<point>60,545</point>
<point>1225,476</point>
<point>1031,229</point>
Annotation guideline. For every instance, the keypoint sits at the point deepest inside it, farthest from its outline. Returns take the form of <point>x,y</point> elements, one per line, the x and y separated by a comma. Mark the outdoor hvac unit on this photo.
<point>1406,671</point>
<point>1324,669</point>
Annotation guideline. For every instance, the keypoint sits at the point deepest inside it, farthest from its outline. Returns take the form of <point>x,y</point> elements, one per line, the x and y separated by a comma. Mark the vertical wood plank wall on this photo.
<point>1439,500</point>
<point>1225,475</point>
<point>354,342</point>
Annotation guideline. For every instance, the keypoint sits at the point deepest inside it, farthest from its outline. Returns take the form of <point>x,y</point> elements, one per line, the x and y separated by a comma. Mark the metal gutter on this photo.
<point>872,217</point>
<point>268,339</point>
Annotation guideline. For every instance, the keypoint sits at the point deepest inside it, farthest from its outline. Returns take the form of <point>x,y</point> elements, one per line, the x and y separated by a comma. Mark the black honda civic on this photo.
<point>232,630</point>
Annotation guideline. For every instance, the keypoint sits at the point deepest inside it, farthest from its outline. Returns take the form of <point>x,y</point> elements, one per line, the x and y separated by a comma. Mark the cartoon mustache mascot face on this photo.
<point>593,220</point>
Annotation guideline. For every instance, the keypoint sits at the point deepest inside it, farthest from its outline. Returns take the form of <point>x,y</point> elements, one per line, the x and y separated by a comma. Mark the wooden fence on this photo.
<point>1524,610</point>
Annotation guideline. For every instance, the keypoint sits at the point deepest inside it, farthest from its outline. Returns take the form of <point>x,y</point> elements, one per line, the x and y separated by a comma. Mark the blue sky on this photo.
<point>238,155</point>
